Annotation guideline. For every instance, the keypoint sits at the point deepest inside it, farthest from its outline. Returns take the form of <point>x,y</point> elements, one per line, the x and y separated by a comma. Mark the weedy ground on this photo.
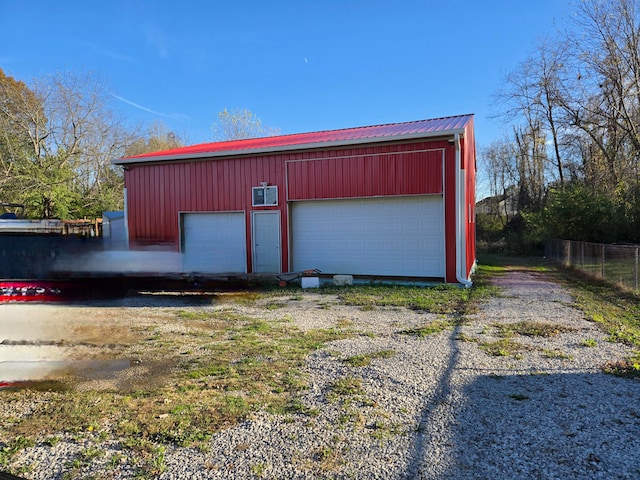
<point>614,309</point>
<point>203,376</point>
<point>205,369</point>
<point>200,370</point>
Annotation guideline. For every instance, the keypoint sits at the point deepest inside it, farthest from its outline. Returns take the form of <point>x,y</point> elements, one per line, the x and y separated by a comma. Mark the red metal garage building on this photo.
<point>392,200</point>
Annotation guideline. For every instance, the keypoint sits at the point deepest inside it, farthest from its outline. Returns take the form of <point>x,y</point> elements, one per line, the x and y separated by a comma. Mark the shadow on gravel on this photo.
<point>565,425</point>
<point>519,426</point>
<point>163,299</point>
<point>432,409</point>
<point>151,299</point>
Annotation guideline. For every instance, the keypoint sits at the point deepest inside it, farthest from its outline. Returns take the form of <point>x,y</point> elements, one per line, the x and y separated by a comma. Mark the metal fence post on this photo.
<point>635,272</point>
<point>603,251</point>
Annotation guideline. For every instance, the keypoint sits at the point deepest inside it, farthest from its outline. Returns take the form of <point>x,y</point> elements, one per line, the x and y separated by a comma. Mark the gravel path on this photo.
<point>439,407</point>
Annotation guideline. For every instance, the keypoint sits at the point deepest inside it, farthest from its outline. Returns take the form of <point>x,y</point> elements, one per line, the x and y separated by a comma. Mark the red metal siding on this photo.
<point>158,192</point>
<point>366,175</point>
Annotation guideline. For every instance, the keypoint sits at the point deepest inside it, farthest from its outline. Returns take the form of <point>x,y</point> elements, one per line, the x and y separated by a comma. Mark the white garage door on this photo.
<point>396,236</point>
<point>214,242</point>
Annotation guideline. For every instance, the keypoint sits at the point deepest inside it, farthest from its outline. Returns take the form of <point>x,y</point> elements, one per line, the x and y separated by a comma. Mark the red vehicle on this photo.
<point>30,291</point>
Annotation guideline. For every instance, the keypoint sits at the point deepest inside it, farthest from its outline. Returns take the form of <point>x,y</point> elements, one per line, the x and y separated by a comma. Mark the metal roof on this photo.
<point>377,133</point>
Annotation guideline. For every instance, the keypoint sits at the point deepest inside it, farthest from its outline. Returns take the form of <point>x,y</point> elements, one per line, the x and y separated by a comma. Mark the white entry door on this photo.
<point>266,242</point>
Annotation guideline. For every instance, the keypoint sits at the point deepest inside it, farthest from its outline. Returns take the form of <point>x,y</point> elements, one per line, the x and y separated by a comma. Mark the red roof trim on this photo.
<point>376,133</point>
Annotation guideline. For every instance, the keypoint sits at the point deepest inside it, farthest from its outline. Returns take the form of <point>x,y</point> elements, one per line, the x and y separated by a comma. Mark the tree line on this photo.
<point>568,164</point>
<point>59,134</point>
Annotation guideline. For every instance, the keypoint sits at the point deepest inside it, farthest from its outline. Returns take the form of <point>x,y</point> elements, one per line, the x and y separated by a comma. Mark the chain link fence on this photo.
<point>614,263</point>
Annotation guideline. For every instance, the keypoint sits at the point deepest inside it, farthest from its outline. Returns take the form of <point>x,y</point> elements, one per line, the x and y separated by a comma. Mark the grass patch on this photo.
<point>387,353</point>
<point>326,458</point>
<point>259,469</point>
<point>498,264</point>
<point>628,368</point>
<point>505,347</point>
<point>556,354</point>
<point>440,299</point>
<point>324,305</point>
<point>381,430</point>
<point>346,386</point>
<point>365,359</point>
<point>344,322</point>
<point>296,406</point>
<point>589,342</point>
<point>352,417</point>
<point>530,329</point>
<point>462,337</point>
<point>358,360</point>
<point>14,446</point>
<point>275,305</point>
<point>430,328</point>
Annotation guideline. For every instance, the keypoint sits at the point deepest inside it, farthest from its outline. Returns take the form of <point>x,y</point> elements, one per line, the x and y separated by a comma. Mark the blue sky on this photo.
<point>298,65</point>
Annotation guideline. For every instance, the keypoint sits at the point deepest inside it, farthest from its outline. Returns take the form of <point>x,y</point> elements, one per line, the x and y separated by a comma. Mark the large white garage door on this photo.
<point>396,236</point>
<point>214,242</point>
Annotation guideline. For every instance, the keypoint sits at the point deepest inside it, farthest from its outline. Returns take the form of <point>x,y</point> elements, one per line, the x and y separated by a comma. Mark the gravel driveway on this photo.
<point>439,407</point>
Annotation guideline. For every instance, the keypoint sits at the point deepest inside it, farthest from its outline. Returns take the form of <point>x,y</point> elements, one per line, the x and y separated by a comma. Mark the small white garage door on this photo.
<point>395,236</point>
<point>214,242</point>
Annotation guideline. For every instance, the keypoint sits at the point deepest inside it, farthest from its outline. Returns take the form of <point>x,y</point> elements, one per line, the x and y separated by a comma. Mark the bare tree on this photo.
<point>530,159</point>
<point>580,94</point>
<point>498,161</point>
<point>240,124</point>
<point>530,98</point>
<point>157,138</point>
<point>574,104</point>
<point>603,101</point>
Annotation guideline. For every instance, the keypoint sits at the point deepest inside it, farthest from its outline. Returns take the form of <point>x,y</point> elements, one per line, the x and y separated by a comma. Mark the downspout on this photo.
<point>126,217</point>
<point>460,210</point>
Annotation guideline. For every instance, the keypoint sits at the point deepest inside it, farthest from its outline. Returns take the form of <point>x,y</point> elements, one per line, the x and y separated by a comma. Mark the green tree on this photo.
<point>63,136</point>
<point>579,212</point>
<point>20,112</point>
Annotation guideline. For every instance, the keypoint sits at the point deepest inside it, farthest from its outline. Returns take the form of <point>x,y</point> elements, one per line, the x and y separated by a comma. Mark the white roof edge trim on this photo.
<point>284,148</point>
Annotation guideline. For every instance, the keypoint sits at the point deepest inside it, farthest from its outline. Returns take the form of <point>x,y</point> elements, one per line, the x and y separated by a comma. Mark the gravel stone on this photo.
<point>440,407</point>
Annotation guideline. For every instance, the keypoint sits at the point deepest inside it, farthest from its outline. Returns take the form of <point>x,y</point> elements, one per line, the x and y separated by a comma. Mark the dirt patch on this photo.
<point>104,335</point>
<point>87,347</point>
